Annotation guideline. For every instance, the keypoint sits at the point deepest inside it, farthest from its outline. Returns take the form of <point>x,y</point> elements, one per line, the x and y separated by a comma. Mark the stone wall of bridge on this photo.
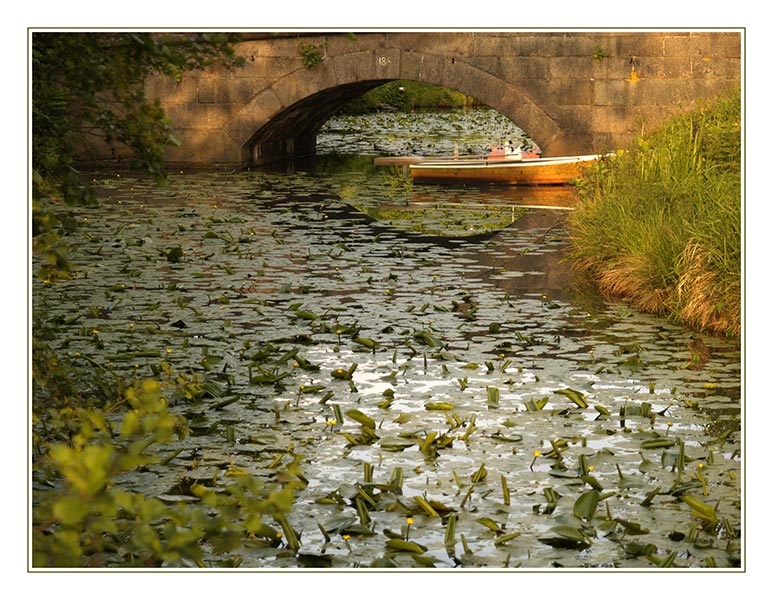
<point>572,92</point>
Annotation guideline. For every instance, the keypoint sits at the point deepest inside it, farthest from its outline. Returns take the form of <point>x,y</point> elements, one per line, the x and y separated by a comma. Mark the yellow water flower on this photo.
<point>537,454</point>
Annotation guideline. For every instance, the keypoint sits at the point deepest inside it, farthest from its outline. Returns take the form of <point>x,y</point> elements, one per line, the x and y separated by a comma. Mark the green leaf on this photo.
<point>361,418</point>
<point>569,533</point>
<point>657,443</point>
<point>70,510</point>
<point>565,536</point>
<point>427,338</point>
<point>503,539</point>
<point>585,505</point>
<point>405,546</point>
<point>396,443</point>
<point>426,506</point>
<point>491,524</point>
<point>439,406</point>
<point>577,397</point>
<point>700,508</point>
<point>367,342</point>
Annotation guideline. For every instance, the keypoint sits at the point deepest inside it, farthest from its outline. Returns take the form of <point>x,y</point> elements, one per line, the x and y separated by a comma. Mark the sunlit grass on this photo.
<point>660,224</point>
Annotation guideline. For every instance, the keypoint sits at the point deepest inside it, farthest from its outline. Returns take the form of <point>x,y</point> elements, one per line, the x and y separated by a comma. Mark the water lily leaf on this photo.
<point>639,549</point>
<point>493,396</point>
<point>314,561</point>
<point>631,527</point>
<point>439,406</point>
<point>426,445</point>
<point>503,539</point>
<point>585,505</point>
<point>427,338</point>
<point>311,389</point>
<point>367,342</point>
<point>659,442</point>
<point>566,537</point>
<point>394,535</point>
<point>396,443</point>
<point>338,524</point>
<point>212,390</point>
<point>361,418</point>
<point>173,255</point>
<point>226,402</point>
<point>491,524</point>
<point>700,508</point>
<point>426,506</point>
<point>383,563</point>
<point>267,378</point>
<point>306,315</point>
<point>592,481</point>
<point>577,397</point>
<point>425,560</point>
<point>344,373</point>
<point>569,533</point>
<point>536,405</point>
<point>405,546</point>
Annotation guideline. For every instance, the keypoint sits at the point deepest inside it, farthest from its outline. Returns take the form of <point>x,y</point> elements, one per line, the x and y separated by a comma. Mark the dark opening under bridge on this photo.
<point>572,92</point>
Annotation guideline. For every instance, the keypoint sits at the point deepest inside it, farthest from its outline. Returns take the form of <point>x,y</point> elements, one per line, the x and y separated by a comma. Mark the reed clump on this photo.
<point>659,224</point>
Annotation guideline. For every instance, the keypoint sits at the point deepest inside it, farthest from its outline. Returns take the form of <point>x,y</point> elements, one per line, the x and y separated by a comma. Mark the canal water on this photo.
<point>426,351</point>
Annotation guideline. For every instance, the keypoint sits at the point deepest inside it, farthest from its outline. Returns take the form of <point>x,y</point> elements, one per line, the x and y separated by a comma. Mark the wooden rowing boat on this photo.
<point>558,170</point>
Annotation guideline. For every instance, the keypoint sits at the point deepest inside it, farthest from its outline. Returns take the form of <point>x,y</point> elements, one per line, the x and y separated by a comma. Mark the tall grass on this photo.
<point>659,225</point>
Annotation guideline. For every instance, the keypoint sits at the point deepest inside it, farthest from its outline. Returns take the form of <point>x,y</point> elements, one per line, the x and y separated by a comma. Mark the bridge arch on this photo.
<point>572,92</point>
<point>294,119</point>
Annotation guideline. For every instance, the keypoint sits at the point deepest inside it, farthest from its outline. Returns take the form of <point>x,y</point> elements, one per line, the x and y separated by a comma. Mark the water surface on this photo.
<point>473,347</point>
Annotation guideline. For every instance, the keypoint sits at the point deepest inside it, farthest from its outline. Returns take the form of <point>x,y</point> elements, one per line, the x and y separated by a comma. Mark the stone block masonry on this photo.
<point>573,92</point>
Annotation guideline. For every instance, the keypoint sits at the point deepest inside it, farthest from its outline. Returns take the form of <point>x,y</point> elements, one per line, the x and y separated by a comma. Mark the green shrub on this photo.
<point>84,514</point>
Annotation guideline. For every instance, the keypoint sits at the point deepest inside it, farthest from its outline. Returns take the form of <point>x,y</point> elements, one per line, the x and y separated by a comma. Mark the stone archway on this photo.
<point>289,130</point>
<point>572,92</point>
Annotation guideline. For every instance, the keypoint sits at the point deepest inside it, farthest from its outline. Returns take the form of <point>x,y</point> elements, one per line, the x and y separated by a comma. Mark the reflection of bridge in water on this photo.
<point>515,236</point>
<point>556,197</point>
<point>469,212</point>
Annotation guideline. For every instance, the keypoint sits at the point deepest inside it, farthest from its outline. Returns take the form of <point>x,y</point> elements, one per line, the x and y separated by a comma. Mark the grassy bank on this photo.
<point>409,95</point>
<point>659,225</point>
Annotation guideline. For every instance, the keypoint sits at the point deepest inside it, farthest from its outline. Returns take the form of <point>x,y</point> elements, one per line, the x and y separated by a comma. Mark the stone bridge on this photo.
<point>572,92</point>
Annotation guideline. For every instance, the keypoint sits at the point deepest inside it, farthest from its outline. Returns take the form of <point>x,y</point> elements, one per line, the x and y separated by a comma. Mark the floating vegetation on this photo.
<point>445,402</point>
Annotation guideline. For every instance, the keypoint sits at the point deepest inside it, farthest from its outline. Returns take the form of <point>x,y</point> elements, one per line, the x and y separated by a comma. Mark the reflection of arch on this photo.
<point>283,120</point>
